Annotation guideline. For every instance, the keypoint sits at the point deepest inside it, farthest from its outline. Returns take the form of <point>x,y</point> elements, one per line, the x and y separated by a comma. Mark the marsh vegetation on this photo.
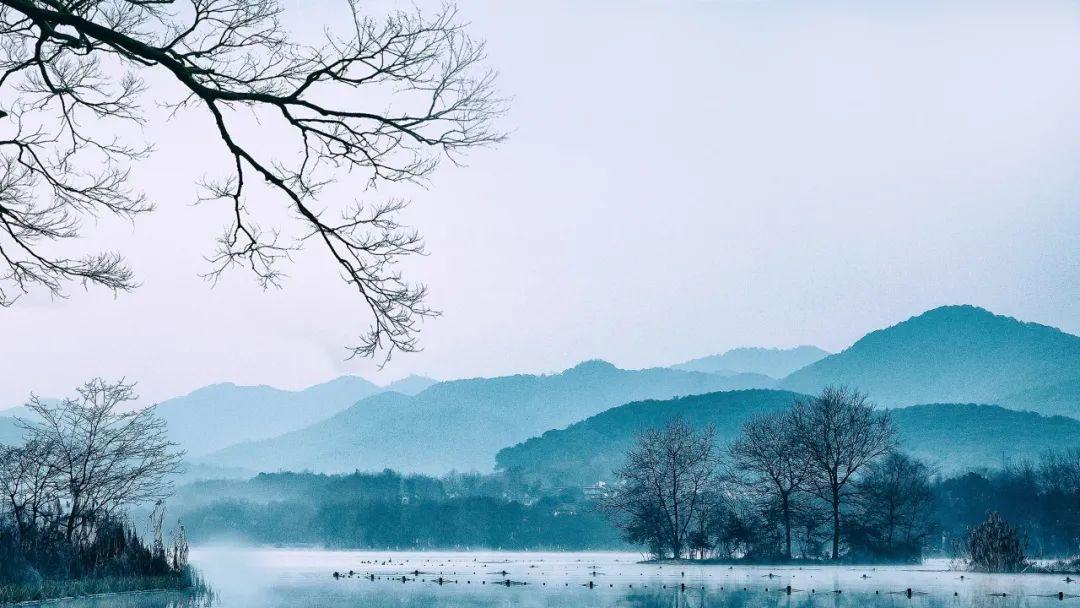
<point>64,529</point>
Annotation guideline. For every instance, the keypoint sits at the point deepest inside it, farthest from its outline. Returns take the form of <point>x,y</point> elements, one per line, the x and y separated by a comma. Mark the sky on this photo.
<point>681,178</point>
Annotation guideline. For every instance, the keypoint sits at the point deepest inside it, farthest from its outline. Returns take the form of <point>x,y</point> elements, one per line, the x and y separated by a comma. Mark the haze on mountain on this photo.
<point>773,362</point>
<point>956,354</point>
<point>10,433</point>
<point>410,385</point>
<point>220,415</point>
<point>1061,399</point>
<point>461,424</point>
<point>978,436</point>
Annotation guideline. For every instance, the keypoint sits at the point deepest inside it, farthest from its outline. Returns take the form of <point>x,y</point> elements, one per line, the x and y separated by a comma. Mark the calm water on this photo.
<point>251,578</point>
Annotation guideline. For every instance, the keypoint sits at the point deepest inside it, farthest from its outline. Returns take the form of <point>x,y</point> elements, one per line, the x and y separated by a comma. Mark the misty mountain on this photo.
<point>977,436</point>
<point>20,410</point>
<point>773,362</point>
<point>9,433</point>
<point>957,437</point>
<point>462,424</point>
<point>952,354</point>
<point>591,449</point>
<point>219,415</point>
<point>1061,399</point>
<point>410,385</point>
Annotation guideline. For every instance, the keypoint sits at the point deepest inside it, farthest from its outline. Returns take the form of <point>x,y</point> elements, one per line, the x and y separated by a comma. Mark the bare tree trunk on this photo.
<point>836,523</point>
<point>71,518</point>
<point>892,524</point>
<point>786,505</point>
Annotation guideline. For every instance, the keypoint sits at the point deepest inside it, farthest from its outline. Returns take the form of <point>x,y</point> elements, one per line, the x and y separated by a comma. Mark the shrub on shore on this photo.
<point>42,564</point>
<point>995,545</point>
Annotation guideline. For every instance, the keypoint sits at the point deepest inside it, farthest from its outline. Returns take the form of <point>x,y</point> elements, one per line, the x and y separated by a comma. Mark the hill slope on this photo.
<point>1062,399</point>
<point>461,424</point>
<point>964,436</point>
<point>410,385</point>
<point>219,415</point>
<point>976,435</point>
<point>591,449</point>
<point>773,362</point>
<point>9,433</point>
<point>951,354</point>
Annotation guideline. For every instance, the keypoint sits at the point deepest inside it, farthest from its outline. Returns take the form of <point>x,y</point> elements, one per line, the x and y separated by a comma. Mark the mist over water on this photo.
<point>250,578</point>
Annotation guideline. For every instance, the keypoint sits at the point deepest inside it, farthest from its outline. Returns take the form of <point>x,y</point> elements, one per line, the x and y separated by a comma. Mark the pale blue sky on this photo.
<point>682,178</point>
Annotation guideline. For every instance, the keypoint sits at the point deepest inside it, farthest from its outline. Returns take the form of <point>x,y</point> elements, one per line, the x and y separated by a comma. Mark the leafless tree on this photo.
<point>841,432</point>
<point>1059,471</point>
<point>895,504</point>
<point>382,99</point>
<point>27,484</point>
<point>102,458</point>
<point>772,465</point>
<point>664,485</point>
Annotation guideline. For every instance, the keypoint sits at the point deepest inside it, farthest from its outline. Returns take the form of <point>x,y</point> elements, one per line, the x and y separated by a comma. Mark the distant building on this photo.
<point>596,491</point>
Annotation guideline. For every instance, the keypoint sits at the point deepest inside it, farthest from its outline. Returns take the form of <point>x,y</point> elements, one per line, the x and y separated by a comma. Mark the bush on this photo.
<point>114,551</point>
<point>995,545</point>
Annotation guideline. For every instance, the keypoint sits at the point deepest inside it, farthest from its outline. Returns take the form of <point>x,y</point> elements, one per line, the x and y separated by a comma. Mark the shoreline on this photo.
<point>27,594</point>
<point>98,595</point>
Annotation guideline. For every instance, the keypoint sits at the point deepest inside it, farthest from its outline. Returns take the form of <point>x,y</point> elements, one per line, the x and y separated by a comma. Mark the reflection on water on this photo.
<point>155,599</point>
<point>292,578</point>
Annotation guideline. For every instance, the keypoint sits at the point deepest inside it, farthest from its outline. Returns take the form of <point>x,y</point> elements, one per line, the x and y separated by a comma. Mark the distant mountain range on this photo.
<point>953,437</point>
<point>773,362</point>
<point>462,424</point>
<point>220,415</point>
<point>956,354</point>
<point>9,433</point>
<point>409,385</point>
<point>950,355</point>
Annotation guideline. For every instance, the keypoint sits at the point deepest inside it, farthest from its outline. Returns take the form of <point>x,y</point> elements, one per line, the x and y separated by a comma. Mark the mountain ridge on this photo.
<point>955,354</point>
<point>977,434</point>
<point>462,423</point>
<point>772,362</point>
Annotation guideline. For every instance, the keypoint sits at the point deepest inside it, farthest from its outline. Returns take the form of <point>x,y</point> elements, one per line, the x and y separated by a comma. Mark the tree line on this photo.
<point>1040,498</point>
<point>65,489</point>
<point>391,510</point>
<point>821,480</point>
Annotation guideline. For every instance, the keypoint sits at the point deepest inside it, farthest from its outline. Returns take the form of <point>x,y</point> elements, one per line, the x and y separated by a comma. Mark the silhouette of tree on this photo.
<point>894,506</point>
<point>842,433</point>
<point>664,486</point>
<point>101,458</point>
<point>385,99</point>
<point>772,465</point>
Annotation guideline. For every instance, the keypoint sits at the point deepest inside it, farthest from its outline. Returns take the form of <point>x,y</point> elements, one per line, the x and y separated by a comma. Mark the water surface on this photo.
<point>250,578</point>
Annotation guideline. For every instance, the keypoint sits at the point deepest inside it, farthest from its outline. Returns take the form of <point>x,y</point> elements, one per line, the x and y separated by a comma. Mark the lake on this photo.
<point>250,578</point>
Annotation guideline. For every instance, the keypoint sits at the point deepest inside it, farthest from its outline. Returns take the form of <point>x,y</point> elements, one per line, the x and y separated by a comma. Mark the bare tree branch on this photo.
<point>233,58</point>
<point>101,458</point>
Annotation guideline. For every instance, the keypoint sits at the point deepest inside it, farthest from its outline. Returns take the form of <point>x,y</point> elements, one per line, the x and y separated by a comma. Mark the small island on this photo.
<point>822,482</point>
